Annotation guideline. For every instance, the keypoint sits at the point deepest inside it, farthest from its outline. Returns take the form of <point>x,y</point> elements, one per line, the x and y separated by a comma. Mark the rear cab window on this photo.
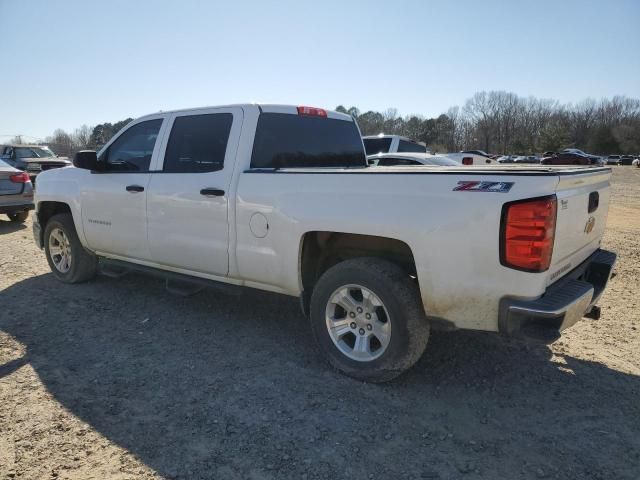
<point>286,140</point>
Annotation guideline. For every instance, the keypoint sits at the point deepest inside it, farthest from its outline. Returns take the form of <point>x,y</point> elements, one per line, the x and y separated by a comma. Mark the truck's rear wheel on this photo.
<point>368,319</point>
<point>67,258</point>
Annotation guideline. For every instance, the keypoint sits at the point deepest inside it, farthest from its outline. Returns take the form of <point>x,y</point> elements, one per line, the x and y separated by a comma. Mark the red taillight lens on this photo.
<point>312,111</point>
<point>21,177</point>
<point>528,230</point>
<point>467,160</point>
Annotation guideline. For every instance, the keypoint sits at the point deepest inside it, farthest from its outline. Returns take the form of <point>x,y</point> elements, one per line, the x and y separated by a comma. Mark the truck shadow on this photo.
<point>216,386</point>
<point>7,226</point>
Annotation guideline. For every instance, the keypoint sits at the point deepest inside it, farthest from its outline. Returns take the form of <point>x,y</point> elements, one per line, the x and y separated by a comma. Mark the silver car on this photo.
<point>16,193</point>
<point>32,159</point>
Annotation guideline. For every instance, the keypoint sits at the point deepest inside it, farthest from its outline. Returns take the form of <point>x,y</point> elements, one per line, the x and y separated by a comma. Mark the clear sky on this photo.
<point>74,62</point>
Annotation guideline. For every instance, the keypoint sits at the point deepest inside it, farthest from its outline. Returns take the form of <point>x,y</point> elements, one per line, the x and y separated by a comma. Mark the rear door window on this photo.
<point>405,146</point>
<point>284,140</point>
<point>198,143</point>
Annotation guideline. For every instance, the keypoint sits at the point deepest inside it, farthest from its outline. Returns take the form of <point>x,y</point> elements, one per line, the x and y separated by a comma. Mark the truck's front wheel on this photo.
<point>67,258</point>
<point>368,319</point>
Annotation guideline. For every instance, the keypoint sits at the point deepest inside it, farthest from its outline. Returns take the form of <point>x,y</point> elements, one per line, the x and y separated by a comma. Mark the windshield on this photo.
<point>377,145</point>
<point>43,152</point>
<point>33,152</point>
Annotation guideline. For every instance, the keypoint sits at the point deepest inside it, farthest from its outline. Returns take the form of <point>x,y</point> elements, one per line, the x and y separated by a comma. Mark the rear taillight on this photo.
<point>21,177</point>
<point>312,111</point>
<point>527,233</point>
<point>467,160</point>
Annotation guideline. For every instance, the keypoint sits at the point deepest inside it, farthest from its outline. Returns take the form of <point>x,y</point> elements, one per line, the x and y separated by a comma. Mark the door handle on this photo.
<point>135,188</point>
<point>212,192</point>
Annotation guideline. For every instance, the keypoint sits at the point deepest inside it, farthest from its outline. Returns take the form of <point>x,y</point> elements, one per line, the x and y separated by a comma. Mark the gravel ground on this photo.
<point>118,379</point>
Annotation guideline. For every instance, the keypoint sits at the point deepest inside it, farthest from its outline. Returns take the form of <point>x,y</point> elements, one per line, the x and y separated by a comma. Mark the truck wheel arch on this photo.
<point>320,250</point>
<point>48,209</point>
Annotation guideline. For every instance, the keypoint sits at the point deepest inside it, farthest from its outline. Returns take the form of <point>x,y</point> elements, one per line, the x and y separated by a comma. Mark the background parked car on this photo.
<point>506,158</point>
<point>626,160</point>
<point>32,159</point>
<point>613,160</point>
<point>16,193</point>
<point>472,157</point>
<point>568,158</point>
<point>410,159</point>
<point>526,159</point>
<point>596,159</point>
<point>391,144</point>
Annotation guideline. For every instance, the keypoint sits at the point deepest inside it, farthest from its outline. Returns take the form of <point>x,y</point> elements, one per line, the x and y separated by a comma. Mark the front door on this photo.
<point>114,215</point>
<point>188,200</point>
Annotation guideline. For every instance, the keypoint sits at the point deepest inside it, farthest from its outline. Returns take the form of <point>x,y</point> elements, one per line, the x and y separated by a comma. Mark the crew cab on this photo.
<point>281,198</point>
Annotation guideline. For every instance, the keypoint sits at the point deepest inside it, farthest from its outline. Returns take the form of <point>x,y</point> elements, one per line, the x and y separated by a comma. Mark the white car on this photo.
<point>281,198</point>
<point>472,157</point>
<point>410,159</point>
<point>392,144</point>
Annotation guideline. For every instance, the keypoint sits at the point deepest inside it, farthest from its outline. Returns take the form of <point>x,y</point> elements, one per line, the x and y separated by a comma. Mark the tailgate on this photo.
<point>583,204</point>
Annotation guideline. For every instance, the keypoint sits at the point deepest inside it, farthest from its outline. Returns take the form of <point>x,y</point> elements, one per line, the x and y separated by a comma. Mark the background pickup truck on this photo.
<point>281,198</point>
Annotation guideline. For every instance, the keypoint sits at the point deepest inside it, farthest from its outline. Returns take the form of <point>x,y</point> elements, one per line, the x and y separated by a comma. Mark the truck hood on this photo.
<point>46,160</point>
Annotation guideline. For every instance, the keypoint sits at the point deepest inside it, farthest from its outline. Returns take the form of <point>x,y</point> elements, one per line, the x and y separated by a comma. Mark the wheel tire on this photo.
<point>400,296</point>
<point>18,217</point>
<point>83,265</point>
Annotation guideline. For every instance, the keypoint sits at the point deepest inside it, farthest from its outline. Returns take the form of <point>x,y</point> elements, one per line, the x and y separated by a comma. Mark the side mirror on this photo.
<point>86,159</point>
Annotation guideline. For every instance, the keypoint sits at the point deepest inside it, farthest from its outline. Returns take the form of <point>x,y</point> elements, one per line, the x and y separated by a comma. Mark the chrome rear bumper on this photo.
<point>562,305</point>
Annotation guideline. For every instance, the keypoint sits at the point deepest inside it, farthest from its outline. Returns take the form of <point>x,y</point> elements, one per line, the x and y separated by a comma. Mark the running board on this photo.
<point>176,283</point>
<point>113,271</point>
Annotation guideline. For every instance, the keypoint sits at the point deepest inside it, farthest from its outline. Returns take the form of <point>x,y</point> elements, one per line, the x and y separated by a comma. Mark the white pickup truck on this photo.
<point>281,198</point>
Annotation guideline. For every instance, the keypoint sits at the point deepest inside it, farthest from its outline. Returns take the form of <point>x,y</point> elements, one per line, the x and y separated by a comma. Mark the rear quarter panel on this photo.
<point>454,236</point>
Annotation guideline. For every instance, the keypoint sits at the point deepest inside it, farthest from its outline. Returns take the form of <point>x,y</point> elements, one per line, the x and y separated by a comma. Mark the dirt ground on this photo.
<point>119,379</point>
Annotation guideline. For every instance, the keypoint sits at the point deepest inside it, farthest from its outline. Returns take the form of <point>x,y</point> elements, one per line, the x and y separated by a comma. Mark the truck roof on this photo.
<point>263,107</point>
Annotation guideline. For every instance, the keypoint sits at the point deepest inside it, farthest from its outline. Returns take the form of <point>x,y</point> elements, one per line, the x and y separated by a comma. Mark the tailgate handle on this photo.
<point>594,201</point>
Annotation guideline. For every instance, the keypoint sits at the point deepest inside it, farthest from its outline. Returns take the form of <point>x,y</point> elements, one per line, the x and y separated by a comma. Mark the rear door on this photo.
<point>188,200</point>
<point>583,205</point>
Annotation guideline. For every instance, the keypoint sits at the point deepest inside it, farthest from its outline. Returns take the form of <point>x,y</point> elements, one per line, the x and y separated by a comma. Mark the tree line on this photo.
<point>83,138</point>
<point>497,122</point>
<point>505,123</point>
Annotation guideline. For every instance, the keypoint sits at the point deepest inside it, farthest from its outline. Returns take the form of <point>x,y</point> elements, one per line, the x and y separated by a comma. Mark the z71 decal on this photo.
<point>475,186</point>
